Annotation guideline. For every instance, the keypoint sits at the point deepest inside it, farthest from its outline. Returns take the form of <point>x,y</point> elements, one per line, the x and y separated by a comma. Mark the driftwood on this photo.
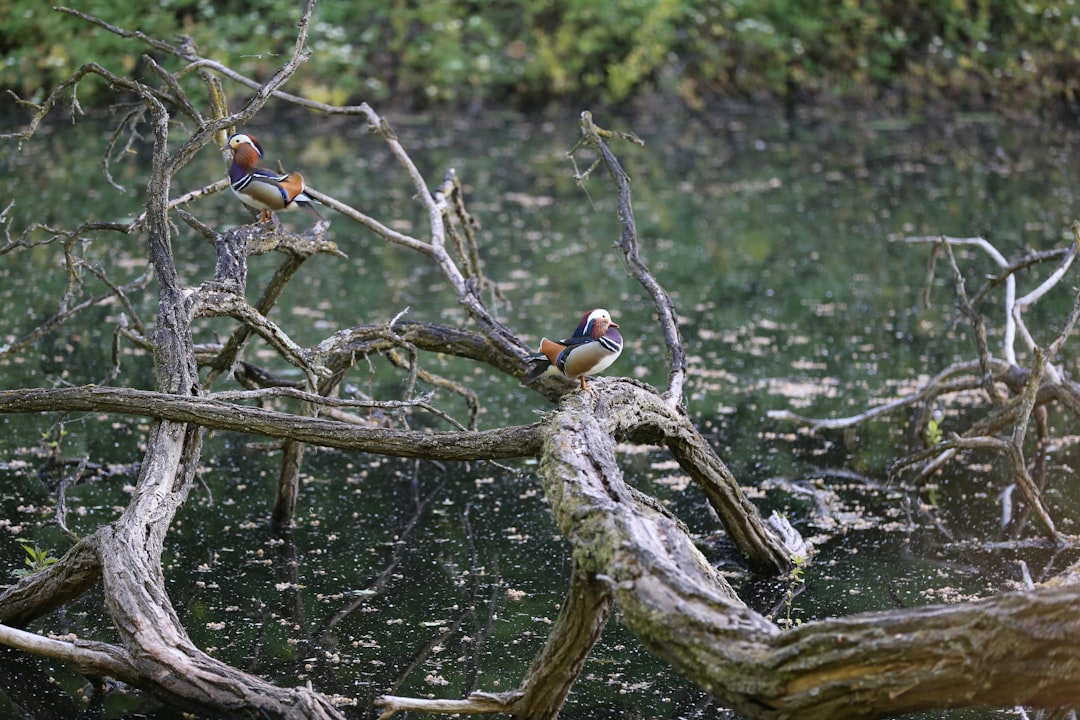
<point>627,549</point>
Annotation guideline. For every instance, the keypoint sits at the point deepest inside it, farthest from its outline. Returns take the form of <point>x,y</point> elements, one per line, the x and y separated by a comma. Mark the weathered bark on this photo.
<point>629,410</point>
<point>231,272</point>
<point>610,526</point>
<point>557,666</point>
<point>39,594</point>
<point>1018,648</point>
<point>619,408</point>
<point>163,660</point>
<point>510,442</point>
<point>339,350</point>
<point>288,486</point>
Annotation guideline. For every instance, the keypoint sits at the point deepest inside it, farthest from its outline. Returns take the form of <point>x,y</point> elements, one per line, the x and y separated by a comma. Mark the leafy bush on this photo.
<point>534,52</point>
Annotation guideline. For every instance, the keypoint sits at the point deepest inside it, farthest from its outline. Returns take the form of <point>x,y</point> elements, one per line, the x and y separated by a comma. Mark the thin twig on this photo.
<point>1010,283</point>
<point>628,242</point>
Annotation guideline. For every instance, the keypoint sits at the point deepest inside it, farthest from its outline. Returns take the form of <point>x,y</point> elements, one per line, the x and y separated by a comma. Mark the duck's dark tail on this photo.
<point>540,366</point>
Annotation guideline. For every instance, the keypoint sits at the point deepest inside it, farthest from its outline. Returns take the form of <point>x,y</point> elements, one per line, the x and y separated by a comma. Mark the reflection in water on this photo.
<point>414,578</point>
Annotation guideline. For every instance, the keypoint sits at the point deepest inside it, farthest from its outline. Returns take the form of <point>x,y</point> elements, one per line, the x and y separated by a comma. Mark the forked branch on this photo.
<point>1004,428</point>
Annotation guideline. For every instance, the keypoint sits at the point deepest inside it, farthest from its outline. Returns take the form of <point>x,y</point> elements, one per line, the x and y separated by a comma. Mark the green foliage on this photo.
<point>52,438</point>
<point>795,579</point>
<point>933,433</point>
<point>37,559</point>
<point>534,52</point>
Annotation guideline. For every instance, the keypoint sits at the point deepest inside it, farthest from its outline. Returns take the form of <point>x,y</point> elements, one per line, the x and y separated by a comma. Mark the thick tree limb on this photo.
<point>42,592</point>
<point>516,441</point>
<point>583,484</point>
<point>1020,648</point>
<point>629,410</point>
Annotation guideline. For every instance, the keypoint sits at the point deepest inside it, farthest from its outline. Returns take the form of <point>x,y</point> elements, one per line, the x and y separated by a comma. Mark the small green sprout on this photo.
<point>933,432</point>
<point>52,438</point>
<point>37,559</point>
<point>795,579</point>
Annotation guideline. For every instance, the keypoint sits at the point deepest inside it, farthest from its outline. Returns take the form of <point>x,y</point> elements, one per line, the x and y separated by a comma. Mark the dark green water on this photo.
<point>781,247</point>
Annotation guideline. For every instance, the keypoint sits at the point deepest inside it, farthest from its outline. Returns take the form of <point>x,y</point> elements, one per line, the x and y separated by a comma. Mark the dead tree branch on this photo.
<point>1004,428</point>
<point>594,137</point>
<point>863,666</point>
<point>515,441</point>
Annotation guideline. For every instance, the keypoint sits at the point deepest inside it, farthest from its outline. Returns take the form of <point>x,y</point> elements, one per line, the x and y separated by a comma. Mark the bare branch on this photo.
<point>52,323</point>
<point>1042,384</point>
<point>92,658</point>
<point>421,403</point>
<point>1010,284</point>
<point>511,442</point>
<point>976,319</point>
<point>628,243</point>
<point>940,384</point>
<point>217,303</point>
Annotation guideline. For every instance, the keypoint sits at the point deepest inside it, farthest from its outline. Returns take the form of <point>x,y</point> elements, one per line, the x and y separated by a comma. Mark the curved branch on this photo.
<point>581,619</point>
<point>341,348</point>
<point>91,658</point>
<point>607,521</point>
<point>1018,648</point>
<point>224,303</point>
<point>1008,347</point>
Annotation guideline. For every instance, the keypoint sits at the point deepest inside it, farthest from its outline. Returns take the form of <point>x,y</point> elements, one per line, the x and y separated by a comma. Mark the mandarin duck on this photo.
<point>262,189</point>
<point>591,349</point>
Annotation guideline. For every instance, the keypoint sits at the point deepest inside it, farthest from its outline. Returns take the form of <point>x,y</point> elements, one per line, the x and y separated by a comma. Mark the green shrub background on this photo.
<point>527,55</point>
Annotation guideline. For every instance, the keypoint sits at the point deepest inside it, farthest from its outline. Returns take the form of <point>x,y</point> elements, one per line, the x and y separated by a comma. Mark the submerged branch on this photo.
<point>1004,427</point>
<point>941,384</point>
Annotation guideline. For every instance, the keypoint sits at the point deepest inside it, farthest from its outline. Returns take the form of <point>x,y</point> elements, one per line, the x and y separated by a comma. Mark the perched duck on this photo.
<point>262,189</point>
<point>591,349</point>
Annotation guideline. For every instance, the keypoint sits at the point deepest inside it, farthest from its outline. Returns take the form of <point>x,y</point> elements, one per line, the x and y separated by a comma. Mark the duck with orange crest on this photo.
<point>590,350</point>
<point>262,189</point>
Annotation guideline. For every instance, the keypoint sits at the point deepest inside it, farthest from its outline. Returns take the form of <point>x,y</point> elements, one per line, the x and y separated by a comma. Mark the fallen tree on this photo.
<point>627,549</point>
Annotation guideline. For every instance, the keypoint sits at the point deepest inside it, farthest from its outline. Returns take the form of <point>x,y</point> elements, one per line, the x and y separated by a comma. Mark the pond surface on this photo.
<point>782,247</point>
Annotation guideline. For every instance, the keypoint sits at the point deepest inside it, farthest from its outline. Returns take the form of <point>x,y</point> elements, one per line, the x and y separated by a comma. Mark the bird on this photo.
<point>590,350</point>
<point>262,189</point>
